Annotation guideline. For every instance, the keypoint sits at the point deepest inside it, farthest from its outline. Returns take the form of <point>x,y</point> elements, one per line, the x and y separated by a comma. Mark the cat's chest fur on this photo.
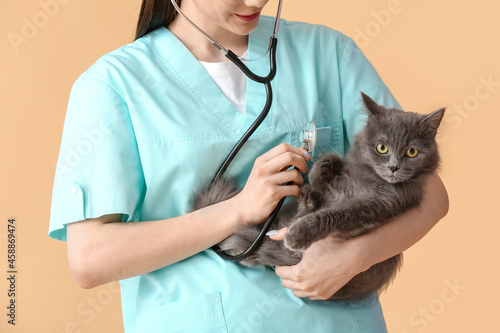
<point>350,186</point>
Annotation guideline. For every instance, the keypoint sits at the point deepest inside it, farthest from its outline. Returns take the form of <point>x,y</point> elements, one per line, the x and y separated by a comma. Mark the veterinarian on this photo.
<point>150,123</point>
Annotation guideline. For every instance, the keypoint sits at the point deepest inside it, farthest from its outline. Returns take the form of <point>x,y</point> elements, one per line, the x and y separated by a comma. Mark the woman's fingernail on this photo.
<point>272,233</point>
<point>308,155</point>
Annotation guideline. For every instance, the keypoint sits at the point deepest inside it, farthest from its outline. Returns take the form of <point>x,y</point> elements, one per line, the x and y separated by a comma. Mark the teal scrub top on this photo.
<point>146,127</point>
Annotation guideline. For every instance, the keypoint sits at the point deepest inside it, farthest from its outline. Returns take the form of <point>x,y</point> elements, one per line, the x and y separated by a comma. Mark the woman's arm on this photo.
<point>104,249</point>
<point>329,264</point>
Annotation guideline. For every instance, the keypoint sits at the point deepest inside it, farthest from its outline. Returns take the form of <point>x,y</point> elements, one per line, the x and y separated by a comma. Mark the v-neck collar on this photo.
<point>201,85</point>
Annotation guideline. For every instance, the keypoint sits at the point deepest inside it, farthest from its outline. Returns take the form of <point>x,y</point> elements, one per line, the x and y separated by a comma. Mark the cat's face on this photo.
<point>400,145</point>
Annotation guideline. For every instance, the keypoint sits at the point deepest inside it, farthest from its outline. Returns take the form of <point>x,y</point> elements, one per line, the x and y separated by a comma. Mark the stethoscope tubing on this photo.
<point>269,97</point>
<point>266,80</point>
<point>251,75</point>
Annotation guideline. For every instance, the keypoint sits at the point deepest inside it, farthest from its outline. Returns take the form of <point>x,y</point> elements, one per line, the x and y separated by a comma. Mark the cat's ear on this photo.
<point>433,119</point>
<point>371,106</point>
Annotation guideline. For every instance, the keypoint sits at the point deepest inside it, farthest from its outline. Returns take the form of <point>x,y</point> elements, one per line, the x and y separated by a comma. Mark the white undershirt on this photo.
<point>230,80</point>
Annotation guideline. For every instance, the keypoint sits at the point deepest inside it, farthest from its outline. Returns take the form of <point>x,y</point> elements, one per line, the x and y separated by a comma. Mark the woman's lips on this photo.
<point>248,18</point>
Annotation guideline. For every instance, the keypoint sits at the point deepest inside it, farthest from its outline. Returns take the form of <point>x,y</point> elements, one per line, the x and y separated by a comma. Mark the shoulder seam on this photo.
<point>107,85</point>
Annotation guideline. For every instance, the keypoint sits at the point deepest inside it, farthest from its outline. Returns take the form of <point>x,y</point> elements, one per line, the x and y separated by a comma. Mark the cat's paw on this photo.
<point>301,233</point>
<point>325,170</point>
<point>310,199</point>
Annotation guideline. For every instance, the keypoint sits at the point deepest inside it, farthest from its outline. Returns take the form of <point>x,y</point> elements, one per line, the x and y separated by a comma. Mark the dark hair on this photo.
<point>154,14</point>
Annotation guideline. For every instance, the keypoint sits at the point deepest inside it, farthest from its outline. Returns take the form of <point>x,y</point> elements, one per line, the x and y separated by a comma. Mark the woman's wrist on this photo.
<point>243,213</point>
<point>233,213</point>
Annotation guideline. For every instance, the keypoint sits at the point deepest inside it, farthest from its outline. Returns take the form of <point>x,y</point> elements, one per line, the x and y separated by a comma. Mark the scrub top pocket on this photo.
<point>201,314</point>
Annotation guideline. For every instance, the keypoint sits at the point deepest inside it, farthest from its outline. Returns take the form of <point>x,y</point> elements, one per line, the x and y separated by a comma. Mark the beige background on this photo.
<point>431,53</point>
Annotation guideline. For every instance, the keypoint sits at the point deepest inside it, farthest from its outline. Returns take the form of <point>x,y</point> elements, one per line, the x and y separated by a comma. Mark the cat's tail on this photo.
<point>222,189</point>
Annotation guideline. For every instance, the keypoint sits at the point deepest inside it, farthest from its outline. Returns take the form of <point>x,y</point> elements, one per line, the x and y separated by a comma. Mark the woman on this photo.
<point>147,126</point>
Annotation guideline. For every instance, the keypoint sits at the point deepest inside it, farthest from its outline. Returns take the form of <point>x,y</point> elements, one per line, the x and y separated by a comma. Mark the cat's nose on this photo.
<point>394,168</point>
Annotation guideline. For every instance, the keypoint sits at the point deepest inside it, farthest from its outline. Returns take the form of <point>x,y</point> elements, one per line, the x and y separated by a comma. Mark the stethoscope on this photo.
<point>308,137</point>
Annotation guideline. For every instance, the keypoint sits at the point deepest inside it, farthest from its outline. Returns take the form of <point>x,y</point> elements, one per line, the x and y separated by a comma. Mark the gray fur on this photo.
<point>350,196</point>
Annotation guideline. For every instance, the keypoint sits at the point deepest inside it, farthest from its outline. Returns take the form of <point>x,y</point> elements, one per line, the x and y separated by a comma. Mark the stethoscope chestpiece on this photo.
<point>309,136</point>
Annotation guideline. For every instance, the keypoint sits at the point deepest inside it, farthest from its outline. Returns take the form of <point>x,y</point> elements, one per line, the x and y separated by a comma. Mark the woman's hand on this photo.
<point>264,187</point>
<point>325,267</point>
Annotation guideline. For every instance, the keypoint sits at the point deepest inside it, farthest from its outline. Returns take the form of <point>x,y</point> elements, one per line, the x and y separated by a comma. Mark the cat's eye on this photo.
<point>411,152</point>
<point>382,149</point>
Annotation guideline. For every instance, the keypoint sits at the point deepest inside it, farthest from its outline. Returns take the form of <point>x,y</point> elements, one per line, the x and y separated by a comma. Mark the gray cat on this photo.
<point>381,177</point>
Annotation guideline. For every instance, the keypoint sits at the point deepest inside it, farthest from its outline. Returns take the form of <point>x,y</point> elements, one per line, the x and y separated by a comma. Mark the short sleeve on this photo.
<point>98,170</point>
<point>357,75</point>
